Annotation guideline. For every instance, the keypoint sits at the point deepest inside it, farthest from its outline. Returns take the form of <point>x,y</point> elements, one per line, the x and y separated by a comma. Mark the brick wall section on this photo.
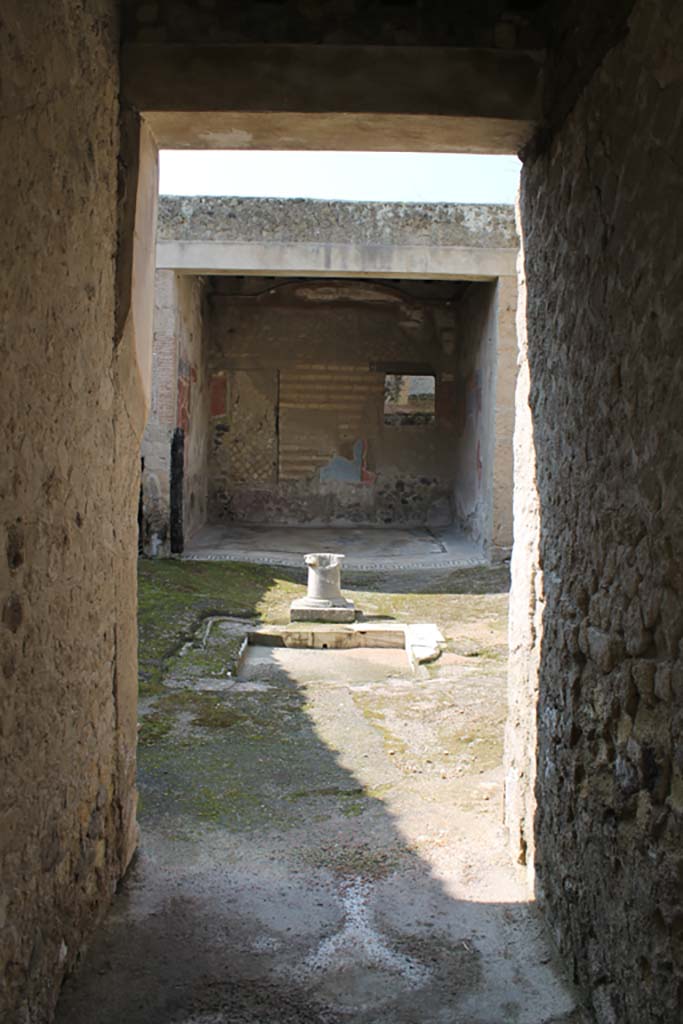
<point>165,355</point>
<point>70,433</point>
<point>605,305</point>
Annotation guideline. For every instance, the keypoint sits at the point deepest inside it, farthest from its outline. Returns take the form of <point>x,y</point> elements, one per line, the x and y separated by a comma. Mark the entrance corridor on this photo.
<point>321,829</point>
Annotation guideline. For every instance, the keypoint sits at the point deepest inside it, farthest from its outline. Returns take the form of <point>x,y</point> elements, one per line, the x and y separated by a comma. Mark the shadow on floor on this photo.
<point>320,843</point>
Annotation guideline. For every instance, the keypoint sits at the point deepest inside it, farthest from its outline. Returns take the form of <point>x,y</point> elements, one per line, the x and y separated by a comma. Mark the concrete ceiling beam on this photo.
<point>315,259</point>
<point>412,98</point>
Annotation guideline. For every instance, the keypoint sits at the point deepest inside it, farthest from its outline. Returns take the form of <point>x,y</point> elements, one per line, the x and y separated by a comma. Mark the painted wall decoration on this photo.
<point>330,347</point>
<point>349,471</point>
<point>218,395</point>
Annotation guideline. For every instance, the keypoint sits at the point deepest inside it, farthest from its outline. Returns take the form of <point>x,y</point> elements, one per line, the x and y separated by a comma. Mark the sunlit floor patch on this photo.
<point>356,665</point>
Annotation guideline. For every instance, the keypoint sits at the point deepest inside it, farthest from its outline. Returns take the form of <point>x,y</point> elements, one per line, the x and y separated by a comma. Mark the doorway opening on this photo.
<point>282,384</point>
<point>363,400</point>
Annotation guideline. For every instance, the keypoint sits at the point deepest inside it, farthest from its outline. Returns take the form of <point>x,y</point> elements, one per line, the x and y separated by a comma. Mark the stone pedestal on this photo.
<point>324,601</point>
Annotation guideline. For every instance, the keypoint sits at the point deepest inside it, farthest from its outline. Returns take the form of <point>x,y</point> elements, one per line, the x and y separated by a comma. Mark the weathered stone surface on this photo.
<point>70,420</point>
<point>180,398</point>
<point>525,616</point>
<point>601,586</point>
<point>221,218</point>
<point>269,795</point>
<point>305,610</point>
<point>324,601</point>
<point>324,575</point>
<point>600,597</point>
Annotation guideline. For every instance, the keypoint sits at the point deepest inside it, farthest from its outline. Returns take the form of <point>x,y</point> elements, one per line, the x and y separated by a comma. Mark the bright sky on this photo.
<point>401,177</point>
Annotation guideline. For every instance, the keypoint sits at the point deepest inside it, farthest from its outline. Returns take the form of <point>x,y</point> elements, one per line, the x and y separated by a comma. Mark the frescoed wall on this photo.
<point>330,401</point>
<point>299,430</point>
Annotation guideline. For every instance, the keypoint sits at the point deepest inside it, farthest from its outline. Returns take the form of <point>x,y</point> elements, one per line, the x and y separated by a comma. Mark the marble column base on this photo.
<point>310,609</point>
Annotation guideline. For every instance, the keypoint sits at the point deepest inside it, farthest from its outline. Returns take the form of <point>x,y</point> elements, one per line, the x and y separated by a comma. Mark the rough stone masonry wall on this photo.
<point>600,208</point>
<point>475,226</point>
<point>68,498</point>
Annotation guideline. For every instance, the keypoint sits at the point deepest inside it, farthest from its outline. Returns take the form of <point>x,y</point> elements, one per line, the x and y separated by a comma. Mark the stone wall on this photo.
<point>70,421</point>
<point>599,539</point>
<point>473,444</point>
<point>483,446</point>
<point>503,425</point>
<point>435,225</point>
<point>525,616</point>
<point>603,538</point>
<point>193,401</point>
<point>180,400</point>
<point>297,379</point>
<point>163,414</point>
<point>209,235</point>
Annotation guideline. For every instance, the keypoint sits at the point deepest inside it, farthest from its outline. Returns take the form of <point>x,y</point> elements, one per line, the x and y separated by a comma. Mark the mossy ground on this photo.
<point>267,756</point>
<point>175,599</point>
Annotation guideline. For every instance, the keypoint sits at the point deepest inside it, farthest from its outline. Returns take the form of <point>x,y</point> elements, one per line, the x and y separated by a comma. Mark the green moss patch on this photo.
<point>176,598</point>
<point>153,728</point>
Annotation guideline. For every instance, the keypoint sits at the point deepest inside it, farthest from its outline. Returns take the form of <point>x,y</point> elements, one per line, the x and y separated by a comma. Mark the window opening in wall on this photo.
<point>409,399</point>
